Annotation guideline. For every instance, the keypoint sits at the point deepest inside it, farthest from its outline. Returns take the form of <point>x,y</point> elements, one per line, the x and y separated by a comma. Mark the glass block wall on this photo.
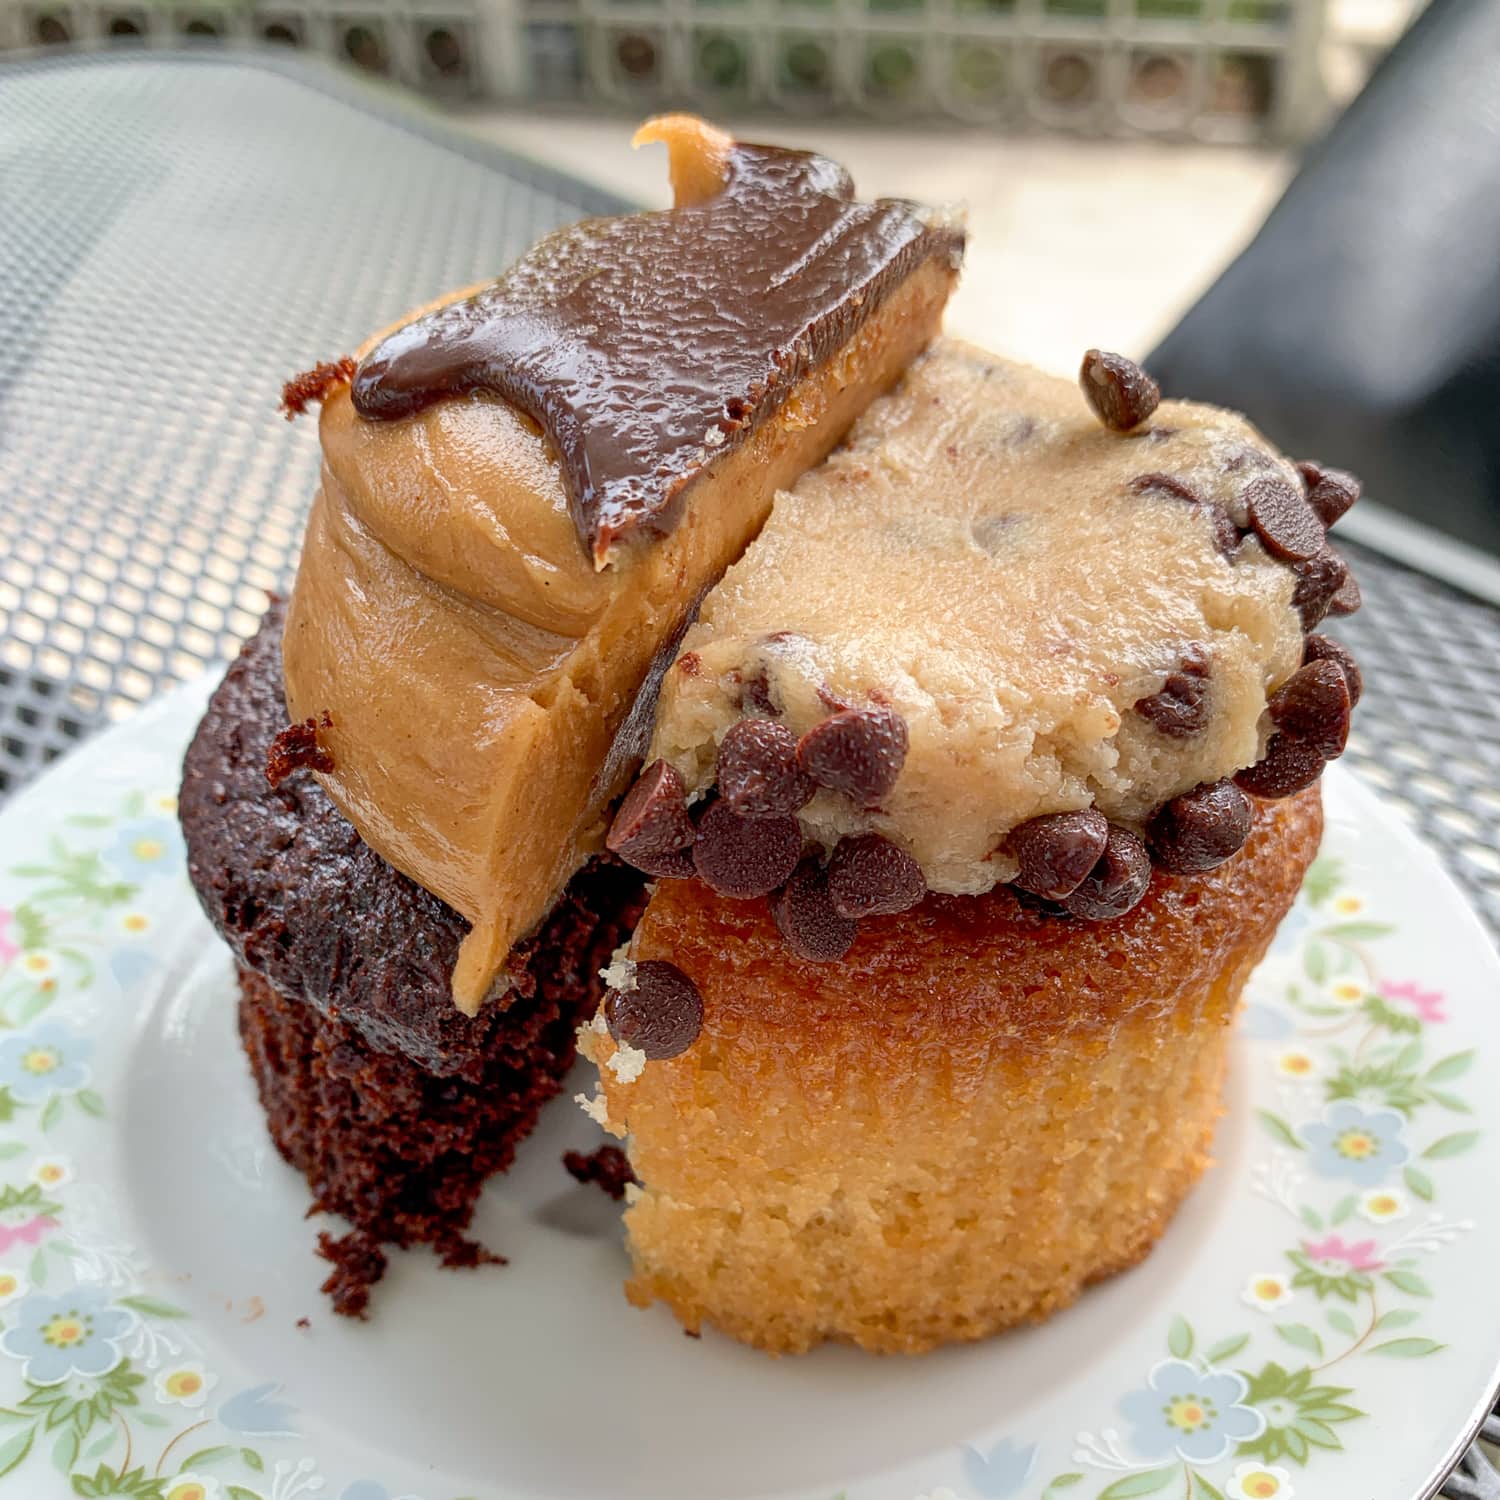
<point>1233,70</point>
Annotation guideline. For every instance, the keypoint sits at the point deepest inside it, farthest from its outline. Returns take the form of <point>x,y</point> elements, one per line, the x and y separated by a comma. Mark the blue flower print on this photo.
<point>254,1413</point>
<point>1003,1472</point>
<point>146,848</point>
<point>1196,1415</point>
<point>49,1059</point>
<point>1363,1145</point>
<point>74,1333</point>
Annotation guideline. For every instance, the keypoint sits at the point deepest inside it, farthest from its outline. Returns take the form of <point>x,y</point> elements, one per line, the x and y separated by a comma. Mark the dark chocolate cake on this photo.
<point>394,1104</point>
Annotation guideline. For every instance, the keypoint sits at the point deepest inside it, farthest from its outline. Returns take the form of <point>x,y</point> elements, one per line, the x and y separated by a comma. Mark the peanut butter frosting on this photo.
<point>491,583</point>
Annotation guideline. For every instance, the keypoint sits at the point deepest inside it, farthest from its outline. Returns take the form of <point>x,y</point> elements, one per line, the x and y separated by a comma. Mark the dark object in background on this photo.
<point>1362,325</point>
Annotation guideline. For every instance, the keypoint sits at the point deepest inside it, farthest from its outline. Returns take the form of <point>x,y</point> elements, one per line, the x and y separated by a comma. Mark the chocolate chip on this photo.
<point>1313,705</point>
<point>661,1016</point>
<point>1116,883</point>
<point>652,829</point>
<point>758,772</point>
<point>1288,766</point>
<point>1226,534</point>
<point>804,915</point>
<point>1330,492</point>
<point>1166,484</point>
<point>756,691</point>
<point>1199,830</point>
<point>1325,648</point>
<point>1348,599</point>
<point>1056,851</point>
<point>1180,709</point>
<point>1319,578</point>
<point>744,857</point>
<point>1282,518</point>
<point>869,876</point>
<point>1121,393</point>
<point>858,751</point>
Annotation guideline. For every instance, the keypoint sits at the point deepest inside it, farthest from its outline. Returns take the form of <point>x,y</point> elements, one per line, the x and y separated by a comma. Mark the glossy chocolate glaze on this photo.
<point>647,345</point>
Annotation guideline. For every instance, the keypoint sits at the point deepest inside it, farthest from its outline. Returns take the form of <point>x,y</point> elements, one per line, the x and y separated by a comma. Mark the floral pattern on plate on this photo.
<point>107,1386</point>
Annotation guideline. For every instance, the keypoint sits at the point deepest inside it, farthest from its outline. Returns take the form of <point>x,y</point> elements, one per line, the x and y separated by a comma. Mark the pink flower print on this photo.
<point>29,1233</point>
<point>1427,1004</point>
<point>8,949</point>
<point>1356,1257</point>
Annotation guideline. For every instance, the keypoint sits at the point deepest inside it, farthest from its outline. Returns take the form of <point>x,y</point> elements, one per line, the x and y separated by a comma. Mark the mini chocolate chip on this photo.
<point>1226,534</point>
<point>1166,484</point>
<point>1325,648</point>
<point>758,772</point>
<point>661,1016</point>
<point>1282,518</point>
<point>1121,393</point>
<point>1056,851</point>
<point>857,751</point>
<point>1330,492</point>
<point>805,918</point>
<point>652,829</point>
<point>744,857</point>
<point>1348,599</point>
<point>1116,883</point>
<point>1200,829</point>
<point>1319,578</point>
<point>869,876</point>
<point>1313,705</point>
<point>1288,766</point>
<point>756,692</point>
<point>1180,710</point>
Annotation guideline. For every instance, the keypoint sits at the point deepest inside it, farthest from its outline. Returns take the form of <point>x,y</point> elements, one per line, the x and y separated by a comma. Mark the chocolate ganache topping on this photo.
<point>645,345</point>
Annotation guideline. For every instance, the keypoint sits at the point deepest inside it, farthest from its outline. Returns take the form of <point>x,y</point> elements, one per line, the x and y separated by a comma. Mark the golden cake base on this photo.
<point>958,1128</point>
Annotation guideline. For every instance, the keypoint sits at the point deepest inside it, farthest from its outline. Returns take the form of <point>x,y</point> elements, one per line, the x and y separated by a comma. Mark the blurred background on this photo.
<point>1168,125</point>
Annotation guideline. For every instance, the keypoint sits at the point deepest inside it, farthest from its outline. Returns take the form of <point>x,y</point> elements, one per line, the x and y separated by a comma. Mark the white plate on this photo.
<point>1340,1314</point>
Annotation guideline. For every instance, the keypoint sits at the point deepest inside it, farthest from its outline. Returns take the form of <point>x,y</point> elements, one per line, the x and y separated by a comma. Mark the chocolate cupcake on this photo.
<point>396,804</point>
<point>975,793</point>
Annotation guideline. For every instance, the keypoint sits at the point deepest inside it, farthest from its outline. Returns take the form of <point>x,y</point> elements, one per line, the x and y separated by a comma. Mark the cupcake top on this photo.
<point>1010,632</point>
<point>526,489</point>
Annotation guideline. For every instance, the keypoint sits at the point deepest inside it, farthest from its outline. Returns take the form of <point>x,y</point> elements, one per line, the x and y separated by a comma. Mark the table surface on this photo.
<point>179,234</point>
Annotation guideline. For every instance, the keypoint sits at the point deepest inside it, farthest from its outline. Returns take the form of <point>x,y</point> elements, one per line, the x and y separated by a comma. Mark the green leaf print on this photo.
<point>90,1103</point>
<point>65,1451</point>
<point>1419,1182</point>
<point>1451,1145</point>
<point>1315,962</point>
<point>1398,1317</point>
<point>1343,1208</point>
<point>1408,1348</point>
<point>1180,1337</point>
<point>239,1492</point>
<point>1323,878</point>
<point>206,1456</point>
<point>53,1112</point>
<point>1446,1069</point>
<point>1227,1348</point>
<point>1210,1491</point>
<point>1341,1321</point>
<point>1302,1336</point>
<point>152,1307</point>
<point>14,1450</point>
<point>1280,1129</point>
<point>1358,932</point>
<point>1387,1016</point>
<point>1064,1481</point>
<point>1139,1484</point>
<point>1408,1282</point>
<point>252,1460</point>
